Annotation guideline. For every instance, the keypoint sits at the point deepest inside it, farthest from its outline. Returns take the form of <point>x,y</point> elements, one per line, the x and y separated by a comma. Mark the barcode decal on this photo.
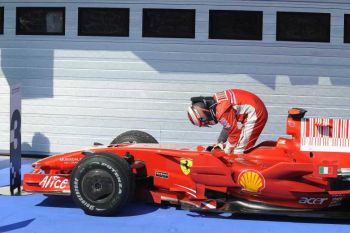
<point>329,135</point>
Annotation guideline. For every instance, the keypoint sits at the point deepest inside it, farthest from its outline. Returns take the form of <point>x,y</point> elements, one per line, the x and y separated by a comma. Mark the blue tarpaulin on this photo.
<point>38,213</point>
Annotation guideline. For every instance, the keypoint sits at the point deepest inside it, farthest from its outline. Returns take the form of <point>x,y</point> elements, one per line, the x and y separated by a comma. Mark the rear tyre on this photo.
<point>134,136</point>
<point>101,185</point>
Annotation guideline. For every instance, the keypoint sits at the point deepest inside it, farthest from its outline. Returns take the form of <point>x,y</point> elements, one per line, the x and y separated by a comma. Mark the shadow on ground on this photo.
<point>269,218</point>
<point>16,226</point>
<point>132,209</point>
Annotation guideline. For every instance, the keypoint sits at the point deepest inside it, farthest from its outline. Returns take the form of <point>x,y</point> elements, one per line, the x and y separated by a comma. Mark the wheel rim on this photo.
<point>98,186</point>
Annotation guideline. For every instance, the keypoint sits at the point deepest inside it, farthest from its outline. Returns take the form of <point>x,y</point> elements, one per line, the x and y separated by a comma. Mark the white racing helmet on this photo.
<point>199,115</point>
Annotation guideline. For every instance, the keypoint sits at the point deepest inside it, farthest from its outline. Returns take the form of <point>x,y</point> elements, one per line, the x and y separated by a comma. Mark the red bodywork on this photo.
<point>308,170</point>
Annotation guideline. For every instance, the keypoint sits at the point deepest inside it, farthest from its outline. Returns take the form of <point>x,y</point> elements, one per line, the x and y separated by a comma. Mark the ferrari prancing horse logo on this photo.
<point>186,165</point>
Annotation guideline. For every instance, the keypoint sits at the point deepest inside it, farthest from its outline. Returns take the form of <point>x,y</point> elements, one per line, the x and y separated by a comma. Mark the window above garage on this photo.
<point>170,23</point>
<point>236,25</point>
<point>103,21</point>
<point>1,20</point>
<point>302,26</point>
<point>40,21</point>
<point>347,28</point>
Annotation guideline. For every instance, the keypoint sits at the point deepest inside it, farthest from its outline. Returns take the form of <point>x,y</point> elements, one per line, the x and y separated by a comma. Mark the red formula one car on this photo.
<point>307,174</point>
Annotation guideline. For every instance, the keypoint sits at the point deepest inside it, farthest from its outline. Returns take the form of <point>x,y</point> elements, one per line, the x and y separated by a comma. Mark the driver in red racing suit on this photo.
<point>242,114</point>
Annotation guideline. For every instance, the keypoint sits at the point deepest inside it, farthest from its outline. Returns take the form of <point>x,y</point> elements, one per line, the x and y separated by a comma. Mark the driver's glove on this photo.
<point>219,146</point>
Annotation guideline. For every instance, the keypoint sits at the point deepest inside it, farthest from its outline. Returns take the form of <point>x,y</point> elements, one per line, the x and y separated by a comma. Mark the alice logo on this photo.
<point>186,165</point>
<point>251,181</point>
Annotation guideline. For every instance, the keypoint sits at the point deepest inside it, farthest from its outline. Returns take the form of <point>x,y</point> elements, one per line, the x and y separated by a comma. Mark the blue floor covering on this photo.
<point>38,213</point>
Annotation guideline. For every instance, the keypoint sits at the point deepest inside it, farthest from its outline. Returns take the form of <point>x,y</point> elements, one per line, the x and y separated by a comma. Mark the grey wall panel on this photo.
<point>78,90</point>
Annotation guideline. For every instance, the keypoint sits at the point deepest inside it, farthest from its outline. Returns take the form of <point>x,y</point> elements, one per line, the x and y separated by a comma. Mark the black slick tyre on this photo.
<point>101,184</point>
<point>126,168</point>
<point>134,136</point>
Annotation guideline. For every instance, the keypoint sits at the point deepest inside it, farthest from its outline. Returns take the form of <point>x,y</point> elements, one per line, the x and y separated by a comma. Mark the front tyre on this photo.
<point>99,185</point>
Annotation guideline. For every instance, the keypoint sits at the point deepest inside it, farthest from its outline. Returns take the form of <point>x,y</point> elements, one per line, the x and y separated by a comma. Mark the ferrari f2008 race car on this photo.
<point>304,174</point>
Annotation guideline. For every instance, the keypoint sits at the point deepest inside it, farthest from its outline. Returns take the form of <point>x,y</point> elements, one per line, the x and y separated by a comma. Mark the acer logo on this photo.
<point>54,182</point>
<point>313,200</point>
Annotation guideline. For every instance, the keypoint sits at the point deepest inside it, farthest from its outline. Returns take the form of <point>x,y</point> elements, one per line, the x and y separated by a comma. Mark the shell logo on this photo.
<point>251,181</point>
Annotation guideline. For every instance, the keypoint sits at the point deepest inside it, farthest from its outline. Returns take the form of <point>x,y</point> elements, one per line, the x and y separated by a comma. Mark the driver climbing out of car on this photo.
<point>242,114</point>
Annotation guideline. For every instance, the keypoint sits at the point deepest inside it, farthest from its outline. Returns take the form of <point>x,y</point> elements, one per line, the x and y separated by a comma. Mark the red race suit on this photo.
<point>243,116</point>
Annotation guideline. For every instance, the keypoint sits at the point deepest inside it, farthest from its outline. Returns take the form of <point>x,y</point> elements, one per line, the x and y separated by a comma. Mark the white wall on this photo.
<point>78,90</point>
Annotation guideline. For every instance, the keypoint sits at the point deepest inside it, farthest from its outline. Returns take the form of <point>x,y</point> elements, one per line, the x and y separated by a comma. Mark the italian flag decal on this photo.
<point>323,170</point>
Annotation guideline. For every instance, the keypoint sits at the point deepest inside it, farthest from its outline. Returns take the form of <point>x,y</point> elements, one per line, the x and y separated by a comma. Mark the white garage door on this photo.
<point>84,82</point>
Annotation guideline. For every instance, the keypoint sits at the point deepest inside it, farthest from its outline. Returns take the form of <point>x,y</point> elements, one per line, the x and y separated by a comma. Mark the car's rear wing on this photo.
<point>319,134</point>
